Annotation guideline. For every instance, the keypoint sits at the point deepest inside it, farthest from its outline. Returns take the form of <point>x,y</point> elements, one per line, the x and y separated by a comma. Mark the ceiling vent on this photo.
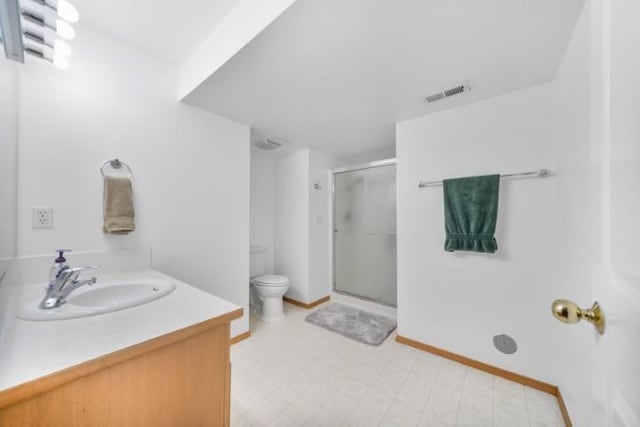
<point>269,144</point>
<point>446,93</point>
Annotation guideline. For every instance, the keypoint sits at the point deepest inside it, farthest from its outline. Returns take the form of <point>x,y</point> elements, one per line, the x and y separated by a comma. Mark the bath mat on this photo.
<point>353,323</point>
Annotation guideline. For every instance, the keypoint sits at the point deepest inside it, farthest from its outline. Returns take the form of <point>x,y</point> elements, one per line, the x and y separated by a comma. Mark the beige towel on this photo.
<point>118,206</point>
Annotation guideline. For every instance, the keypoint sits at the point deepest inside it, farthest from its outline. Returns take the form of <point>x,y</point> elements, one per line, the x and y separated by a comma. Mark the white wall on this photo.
<point>292,226</point>
<point>8,124</point>
<point>303,229</point>
<point>380,154</point>
<point>459,301</point>
<point>262,202</point>
<point>191,168</point>
<point>320,233</point>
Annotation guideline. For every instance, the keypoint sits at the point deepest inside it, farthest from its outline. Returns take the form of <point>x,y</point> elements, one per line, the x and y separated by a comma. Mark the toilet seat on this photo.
<point>271,280</point>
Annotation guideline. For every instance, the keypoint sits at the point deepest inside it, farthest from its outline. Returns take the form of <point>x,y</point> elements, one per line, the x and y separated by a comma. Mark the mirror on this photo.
<point>8,167</point>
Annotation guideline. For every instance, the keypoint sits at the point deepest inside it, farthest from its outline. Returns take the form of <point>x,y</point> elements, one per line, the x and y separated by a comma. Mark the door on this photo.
<point>618,350</point>
<point>365,233</point>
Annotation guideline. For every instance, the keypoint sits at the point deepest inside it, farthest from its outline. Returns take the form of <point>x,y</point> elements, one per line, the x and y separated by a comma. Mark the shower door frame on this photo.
<point>353,168</point>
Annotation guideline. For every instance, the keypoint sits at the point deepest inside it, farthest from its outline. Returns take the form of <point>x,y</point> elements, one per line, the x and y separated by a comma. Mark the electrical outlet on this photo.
<point>41,218</point>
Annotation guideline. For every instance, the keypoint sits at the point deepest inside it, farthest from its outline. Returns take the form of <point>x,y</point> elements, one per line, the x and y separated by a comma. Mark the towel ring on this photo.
<point>115,164</point>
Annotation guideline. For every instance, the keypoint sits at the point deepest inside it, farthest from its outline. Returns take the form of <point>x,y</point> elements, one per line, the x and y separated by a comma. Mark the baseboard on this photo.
<point>240,337</point>
<point>304,304</point>
<point>494,370</point>
<point>563,410</point>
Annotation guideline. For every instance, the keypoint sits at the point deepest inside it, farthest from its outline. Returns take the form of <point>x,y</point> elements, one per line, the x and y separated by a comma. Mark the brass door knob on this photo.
<point>569,312</point>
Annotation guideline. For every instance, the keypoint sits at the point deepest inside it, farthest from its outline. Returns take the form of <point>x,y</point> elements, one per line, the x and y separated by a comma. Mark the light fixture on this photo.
<point>62,47</point>
<point>37,27</point>
<point>10,28</point>
<point>60,61</point>
<point>67,11</point>
<point>65,30</point>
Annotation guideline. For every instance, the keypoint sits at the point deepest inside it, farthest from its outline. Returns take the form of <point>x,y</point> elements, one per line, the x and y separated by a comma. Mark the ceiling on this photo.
<point>336,75</point>
<point>169,29</point>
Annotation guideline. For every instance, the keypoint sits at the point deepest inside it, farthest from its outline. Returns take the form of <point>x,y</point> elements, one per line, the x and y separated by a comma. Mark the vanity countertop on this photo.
<point>32,349</point>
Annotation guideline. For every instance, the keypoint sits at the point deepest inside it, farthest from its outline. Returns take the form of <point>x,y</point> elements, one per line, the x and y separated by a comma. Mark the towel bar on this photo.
<point>539,173</point>
<point>115,164</point>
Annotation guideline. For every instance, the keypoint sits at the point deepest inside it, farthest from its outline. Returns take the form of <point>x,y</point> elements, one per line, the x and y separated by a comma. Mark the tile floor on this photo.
<point>297,374</point>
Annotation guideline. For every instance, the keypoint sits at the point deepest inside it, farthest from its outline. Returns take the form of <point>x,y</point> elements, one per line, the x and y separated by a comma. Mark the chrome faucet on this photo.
<point>66,281</point>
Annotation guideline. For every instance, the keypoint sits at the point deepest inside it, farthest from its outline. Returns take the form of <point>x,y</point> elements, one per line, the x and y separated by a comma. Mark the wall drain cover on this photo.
<point>505,344</point>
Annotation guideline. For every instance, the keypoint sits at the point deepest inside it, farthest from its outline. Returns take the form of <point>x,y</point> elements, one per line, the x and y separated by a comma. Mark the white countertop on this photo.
<point>32,349</point>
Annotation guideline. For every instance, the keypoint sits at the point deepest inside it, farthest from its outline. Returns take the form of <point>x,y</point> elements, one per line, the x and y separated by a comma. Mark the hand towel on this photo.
<point>118,206</point>
<point>471,213</point>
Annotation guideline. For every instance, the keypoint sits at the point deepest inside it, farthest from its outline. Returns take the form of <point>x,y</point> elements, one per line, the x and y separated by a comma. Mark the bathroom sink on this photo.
<point>97,299</point>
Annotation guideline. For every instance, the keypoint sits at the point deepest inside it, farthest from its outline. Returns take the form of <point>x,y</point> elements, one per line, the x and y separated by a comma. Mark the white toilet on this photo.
<point>267,290</point>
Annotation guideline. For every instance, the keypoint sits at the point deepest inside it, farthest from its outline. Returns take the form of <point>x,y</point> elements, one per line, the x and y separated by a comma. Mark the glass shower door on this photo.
<point>365,233</point>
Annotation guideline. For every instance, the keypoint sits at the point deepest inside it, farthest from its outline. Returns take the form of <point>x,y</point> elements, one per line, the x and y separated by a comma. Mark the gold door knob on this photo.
<point>569,312</point>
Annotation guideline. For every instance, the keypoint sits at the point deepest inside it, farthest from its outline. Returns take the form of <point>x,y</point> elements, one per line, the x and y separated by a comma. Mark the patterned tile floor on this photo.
<point>293,373</point>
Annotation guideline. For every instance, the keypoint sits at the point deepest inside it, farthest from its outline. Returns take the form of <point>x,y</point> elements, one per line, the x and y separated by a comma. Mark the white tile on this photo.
<point>477,399</point>
<point>240,422</point>
<point>300,409</point>
<point>378,399</point>
<point>363,416</point>
<point>510,417</point>
<point>438,415</point>
<point>478,377</point>
<point>540,416</point>
<point>355,388</point>
<point>539,398</point>
<point>325,418</point>
<point>282,420</point>
<point>415,392</point>
<point>294,373</point>
<point>508,402</point>
<point>502,386</point>
<point>340,404</point>
<point>264,410</point>
<point>445,394</point>
<point>467,419</point>
<point>400,414</point>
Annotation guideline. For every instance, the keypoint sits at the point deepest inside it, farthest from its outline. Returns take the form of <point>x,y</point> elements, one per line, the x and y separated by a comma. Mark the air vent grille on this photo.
<point>454,91</point>
<point>435,97</point>
<point>446,93</point>
<point>268,144</point>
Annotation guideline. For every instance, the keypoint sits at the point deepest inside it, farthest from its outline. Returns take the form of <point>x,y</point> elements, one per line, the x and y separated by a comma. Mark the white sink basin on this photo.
<point>97,299</point>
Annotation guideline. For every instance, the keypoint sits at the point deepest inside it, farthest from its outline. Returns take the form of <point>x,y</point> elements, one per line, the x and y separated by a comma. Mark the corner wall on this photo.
<point>291,223</point>
<point>8,176</point>
<point>303,226</point>
<point>190,167</point>
<point>262,209</point>
<point>320,233</point>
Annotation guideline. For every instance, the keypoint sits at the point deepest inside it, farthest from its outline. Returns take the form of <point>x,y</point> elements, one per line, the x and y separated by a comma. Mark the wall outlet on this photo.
<point>41,218</point>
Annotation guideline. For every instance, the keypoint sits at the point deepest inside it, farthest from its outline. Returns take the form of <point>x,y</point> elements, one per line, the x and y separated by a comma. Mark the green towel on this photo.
<point>470,213</point>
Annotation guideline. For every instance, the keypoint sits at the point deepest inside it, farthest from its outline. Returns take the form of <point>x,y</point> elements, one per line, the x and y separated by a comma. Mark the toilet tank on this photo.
<point>258,261</point>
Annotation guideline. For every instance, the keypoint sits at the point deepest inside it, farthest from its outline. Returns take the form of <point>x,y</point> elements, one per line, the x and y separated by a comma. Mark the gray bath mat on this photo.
<point>356,324</point>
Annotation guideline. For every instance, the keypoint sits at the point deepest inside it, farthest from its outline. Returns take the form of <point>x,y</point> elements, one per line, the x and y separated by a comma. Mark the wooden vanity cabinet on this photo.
<point>178,379</point>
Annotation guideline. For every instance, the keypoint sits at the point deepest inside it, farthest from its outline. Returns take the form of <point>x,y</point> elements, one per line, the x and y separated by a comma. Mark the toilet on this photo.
<point>266,290</point>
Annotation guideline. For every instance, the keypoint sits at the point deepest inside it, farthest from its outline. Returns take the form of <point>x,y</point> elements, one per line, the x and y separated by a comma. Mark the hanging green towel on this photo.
<point>470,213</point>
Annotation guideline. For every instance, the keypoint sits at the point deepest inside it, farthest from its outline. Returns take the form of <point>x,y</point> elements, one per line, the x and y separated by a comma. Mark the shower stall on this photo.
<point>364,238</point>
